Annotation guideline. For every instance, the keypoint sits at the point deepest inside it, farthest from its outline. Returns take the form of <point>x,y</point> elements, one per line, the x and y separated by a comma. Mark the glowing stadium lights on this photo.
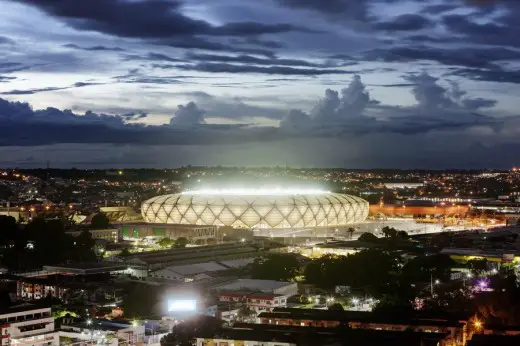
<point>256,192</point>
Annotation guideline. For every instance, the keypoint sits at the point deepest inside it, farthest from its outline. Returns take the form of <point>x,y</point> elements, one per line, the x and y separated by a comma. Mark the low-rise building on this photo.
<point>110,234</point>
<point>259,335</point>
<point>27,324</point>
<point>265,286</point>
<point>189,272</point>
<point>258,301</point>
<point>455,329</point>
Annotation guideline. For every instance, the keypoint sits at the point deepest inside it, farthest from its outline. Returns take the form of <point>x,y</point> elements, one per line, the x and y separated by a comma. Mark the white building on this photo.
<point>189,272</point>
<point>266,286</point>
<point>28,325</point>
<point>260,302</point>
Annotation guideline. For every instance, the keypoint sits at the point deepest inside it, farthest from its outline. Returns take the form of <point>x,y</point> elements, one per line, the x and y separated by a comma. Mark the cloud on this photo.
<point>272,70</point>
<point>439,8</point>
<point>248,59</point>
<point>190,114</point>
<point>146,19</point>
<point>353,111</point>
<point>405,22</point>
<point>39,90</point>
<point>431,97</point>
<point>151,57</point>
<point>495,74</point>
<point>94,48</point>
<point>232,108</point>
<point>340,9</point>
<point>490,33</point>
<point>333,108</point>
<point>6,40</point>
<point>4,79</point>
<point>469,57</point>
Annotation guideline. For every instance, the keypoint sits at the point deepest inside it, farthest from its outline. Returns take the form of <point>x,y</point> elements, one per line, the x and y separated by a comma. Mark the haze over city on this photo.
<point>337,83</point>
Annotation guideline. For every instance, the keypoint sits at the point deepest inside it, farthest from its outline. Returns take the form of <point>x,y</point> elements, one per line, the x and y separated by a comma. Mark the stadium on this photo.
<point>261,209</point>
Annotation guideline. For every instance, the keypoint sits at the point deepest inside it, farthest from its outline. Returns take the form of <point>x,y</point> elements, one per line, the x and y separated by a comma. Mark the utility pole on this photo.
<point>431,283</point>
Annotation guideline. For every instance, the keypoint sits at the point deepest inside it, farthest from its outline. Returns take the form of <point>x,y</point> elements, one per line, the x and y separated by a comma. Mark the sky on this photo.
<point>308,83</point>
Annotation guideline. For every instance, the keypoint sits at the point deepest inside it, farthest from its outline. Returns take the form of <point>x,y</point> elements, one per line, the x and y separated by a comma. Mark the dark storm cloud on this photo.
<point>195,42</point>
<point>94,48</point>
<point>344,9</point>
<point>489,75</point>
<point>271,70</point>
<point>405,22</point>
<point>150,57</point>
<point>145,19</point>
<point>255,41</point>
<point>469,57</point>
<point>439,8</point>
<point>504,33</point>
<point>248,59</point>
<point>6,40</point>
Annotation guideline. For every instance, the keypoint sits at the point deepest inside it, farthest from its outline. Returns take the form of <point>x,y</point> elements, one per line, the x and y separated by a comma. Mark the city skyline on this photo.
<point>163,83</point>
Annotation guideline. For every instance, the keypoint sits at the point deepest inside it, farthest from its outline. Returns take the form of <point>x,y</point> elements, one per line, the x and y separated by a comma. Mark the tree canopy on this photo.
<point>99,221</point>
<point>44,242</point>
<point>371,269</point>
<point>281,267</point>
<point>181,242</point>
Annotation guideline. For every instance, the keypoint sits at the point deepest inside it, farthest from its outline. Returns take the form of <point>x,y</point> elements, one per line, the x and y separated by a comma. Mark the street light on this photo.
<point>437,281</point>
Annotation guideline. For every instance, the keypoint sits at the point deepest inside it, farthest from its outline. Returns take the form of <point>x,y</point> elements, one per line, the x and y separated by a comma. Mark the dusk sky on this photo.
<point>314,83</point>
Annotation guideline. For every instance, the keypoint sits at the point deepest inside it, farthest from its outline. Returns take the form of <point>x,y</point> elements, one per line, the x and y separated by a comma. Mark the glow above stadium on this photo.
<point>257,208</point>
<point>256,192</point>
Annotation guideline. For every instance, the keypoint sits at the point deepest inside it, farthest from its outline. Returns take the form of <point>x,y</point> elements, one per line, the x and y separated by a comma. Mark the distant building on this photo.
<point>403,185</point>
<point>111,234</point>
<point>192,232</point>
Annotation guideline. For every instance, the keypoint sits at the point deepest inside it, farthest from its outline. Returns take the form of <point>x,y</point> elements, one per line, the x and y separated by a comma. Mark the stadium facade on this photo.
<point>257,209</point>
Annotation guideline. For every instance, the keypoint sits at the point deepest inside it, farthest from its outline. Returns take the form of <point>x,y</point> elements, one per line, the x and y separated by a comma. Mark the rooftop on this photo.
<point>253,285</point>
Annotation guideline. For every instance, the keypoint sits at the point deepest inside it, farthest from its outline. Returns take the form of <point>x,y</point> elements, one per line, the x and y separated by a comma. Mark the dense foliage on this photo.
<point>41,242</point>
<point>281,267</point>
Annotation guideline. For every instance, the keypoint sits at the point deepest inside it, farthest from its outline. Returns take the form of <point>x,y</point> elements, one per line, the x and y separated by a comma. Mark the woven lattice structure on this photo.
<point>257,211</point>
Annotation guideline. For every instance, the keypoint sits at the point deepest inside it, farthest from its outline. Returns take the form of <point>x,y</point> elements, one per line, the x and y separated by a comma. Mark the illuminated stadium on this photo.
<point>257,208</point>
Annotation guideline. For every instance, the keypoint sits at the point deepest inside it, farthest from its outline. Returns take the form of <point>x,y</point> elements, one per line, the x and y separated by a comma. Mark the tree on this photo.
<point>245,313</point>
<point>369,238</point>
<point>478,265</point>
<point>351,231</point>
<point>403,235</point>
<point>280,267</point>
<point>181,242</point>
<point>8,229</point>
<point>372,270</point>
<point>336,307</point>
<point>99,221</point>
<point>389,232</point>
<point>185,332</point>
<point>165,243</point>
<point>124,253</point>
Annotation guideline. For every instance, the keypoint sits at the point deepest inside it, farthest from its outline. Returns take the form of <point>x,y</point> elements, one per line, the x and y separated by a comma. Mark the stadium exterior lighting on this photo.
<point>256,209</point>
